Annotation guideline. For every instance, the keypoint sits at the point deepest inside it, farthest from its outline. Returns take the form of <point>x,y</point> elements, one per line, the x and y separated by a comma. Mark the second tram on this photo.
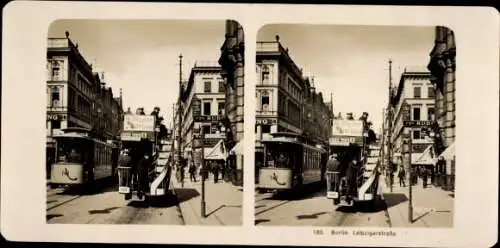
<point>81,159</point>
<point>290,162</point>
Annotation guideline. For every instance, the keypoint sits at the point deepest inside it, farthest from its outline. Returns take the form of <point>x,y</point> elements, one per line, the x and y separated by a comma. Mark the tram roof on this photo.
<point>292,139</point>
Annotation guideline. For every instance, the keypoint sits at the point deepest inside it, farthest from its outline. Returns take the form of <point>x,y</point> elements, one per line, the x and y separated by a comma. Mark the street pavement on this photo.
<point>310,207</point>
<point>107,206</point>
<point>432,206</point>
<point>223,202</point>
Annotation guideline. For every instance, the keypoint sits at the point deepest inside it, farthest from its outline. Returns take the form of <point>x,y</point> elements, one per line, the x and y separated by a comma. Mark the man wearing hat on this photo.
<point>333,165</point>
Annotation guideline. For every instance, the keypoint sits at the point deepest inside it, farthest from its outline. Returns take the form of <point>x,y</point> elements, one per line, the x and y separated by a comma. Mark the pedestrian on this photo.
<point>143,171</point>
<point>424,178</point>
<point>215,171</point>
<point>182,171</point>
<point>192,171</point>
<point>333,166</point>
<point>352,174</point>
<point>401,176</point>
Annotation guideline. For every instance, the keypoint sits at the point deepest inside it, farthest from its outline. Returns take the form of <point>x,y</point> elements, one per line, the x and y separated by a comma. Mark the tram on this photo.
<point>290,162</point>
<point>81,158</point>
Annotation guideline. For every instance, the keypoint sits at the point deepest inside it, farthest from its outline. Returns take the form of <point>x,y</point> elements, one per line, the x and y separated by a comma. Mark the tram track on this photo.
<point>64,202</point>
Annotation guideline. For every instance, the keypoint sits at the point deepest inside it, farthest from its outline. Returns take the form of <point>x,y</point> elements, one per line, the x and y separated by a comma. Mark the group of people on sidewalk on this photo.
<point>423,172</point>
<point>217,168</point>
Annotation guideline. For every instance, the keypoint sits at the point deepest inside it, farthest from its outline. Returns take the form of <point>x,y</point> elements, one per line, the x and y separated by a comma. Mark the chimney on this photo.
<point>67,34</point>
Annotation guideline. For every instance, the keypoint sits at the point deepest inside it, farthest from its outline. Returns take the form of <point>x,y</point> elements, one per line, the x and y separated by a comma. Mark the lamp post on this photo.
<point>410,205</point>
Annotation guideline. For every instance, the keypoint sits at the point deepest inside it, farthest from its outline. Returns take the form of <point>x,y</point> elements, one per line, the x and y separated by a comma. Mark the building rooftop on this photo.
<point>416,69</point>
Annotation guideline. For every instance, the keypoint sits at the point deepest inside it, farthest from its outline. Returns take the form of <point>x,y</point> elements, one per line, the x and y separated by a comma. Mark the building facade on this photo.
<point>76,98</point>
<point>205,91</point>
<point>442,66</point>
<point>70,84</point>
<point>232,61</point>
<point>286,100</point>
<point>415,90</point>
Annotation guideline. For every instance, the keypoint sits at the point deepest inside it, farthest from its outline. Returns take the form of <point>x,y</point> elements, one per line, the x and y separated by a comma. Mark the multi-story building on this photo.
<point>416,90</point>
<point>76,98</point>
<point>286,100</point>
<point>69,86</point>
<point>232,61</point>
<point>205,85</point>
<point>442,67</point>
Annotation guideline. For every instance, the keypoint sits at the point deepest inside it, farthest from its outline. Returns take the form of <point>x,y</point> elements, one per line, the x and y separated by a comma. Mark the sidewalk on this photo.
<point>432,207</point>
<point>223,201</point>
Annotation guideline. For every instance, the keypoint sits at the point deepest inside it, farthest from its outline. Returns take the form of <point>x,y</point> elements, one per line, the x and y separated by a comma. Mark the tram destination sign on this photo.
<point>417,123</point>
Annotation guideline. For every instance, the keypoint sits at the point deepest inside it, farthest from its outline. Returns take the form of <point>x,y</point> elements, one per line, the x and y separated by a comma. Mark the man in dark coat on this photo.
<point>352,174</point>
<point>333,165</point>
<point>143,171</point>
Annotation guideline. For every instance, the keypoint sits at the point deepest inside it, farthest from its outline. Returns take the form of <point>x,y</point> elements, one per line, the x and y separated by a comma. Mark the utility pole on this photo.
<point>410,151</point>
<point>203,168</point>
<point>179,115</point>
<point>389,128</point>
<point>382,144</point>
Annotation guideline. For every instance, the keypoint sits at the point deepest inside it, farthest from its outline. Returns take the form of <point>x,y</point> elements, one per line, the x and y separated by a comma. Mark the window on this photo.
<point>430,92</point>
<point>55,96</point>
<point>221,108</point>
<point>208,87</point>
<point>206,108</point>
<point>416,92</point>
<point>56,70</point>
<point>266,128</point>
<point>416,134</point>
<point>55,124</point>
<point>416,114</point>
<point>265,100</point>
<point>206,129</point>
<point>222,89</point>
<point>430,114</point>
<point>265,72</point>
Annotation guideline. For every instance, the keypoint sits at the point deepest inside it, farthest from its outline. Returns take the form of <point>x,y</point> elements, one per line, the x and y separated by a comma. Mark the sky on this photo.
<point>142,56</point>
<point>351,62</point>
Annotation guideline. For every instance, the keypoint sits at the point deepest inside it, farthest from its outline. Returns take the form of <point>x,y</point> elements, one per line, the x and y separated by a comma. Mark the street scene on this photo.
<point>145,123</point>
<point>355,126</point>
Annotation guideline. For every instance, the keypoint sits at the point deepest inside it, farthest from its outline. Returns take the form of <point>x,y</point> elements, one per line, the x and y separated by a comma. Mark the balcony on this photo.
<point>268,46</point>
<point>58,43</point>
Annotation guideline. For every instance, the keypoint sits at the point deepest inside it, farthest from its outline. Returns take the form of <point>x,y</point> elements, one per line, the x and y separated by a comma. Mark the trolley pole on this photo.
<point>203,204</point>
<point>410,150</point>
<point>389,128</point>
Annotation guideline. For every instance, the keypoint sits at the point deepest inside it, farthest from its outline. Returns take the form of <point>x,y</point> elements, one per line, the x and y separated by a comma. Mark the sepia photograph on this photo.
<point>144,122</point>
<point>355,126</point>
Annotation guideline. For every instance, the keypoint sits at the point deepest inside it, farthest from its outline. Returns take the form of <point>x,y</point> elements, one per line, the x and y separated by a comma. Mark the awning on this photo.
<point>426,157</point>
<point>218,152</point>
<point>449,152</point>
<point>237,149</point>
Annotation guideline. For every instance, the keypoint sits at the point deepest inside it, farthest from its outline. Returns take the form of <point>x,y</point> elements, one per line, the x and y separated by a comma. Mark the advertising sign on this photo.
<point>345,140</point>
<point>347,128</point>
<point>417,123</point>
<point>141,123</point>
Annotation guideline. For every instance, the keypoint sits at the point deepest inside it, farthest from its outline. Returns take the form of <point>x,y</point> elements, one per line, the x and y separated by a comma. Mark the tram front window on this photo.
<point>71,151</point>
<point>281,156</point>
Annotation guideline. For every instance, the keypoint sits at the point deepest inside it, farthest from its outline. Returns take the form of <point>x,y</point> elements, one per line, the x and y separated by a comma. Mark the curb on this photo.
<point>395,218</point>
<point>178,203</point>
<point>184,207</point>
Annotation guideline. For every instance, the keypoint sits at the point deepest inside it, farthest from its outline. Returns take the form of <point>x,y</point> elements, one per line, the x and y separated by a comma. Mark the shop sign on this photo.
<point>266,121</point>
<point>206,118</point>
<point>56,117</point>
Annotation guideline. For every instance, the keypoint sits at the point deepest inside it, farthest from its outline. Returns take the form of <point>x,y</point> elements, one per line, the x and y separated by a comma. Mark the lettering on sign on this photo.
<point>266,121</point>
<point>416,123</point>
<point>139,123</point>
<point>206,118</point>
<point>347,128</point>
